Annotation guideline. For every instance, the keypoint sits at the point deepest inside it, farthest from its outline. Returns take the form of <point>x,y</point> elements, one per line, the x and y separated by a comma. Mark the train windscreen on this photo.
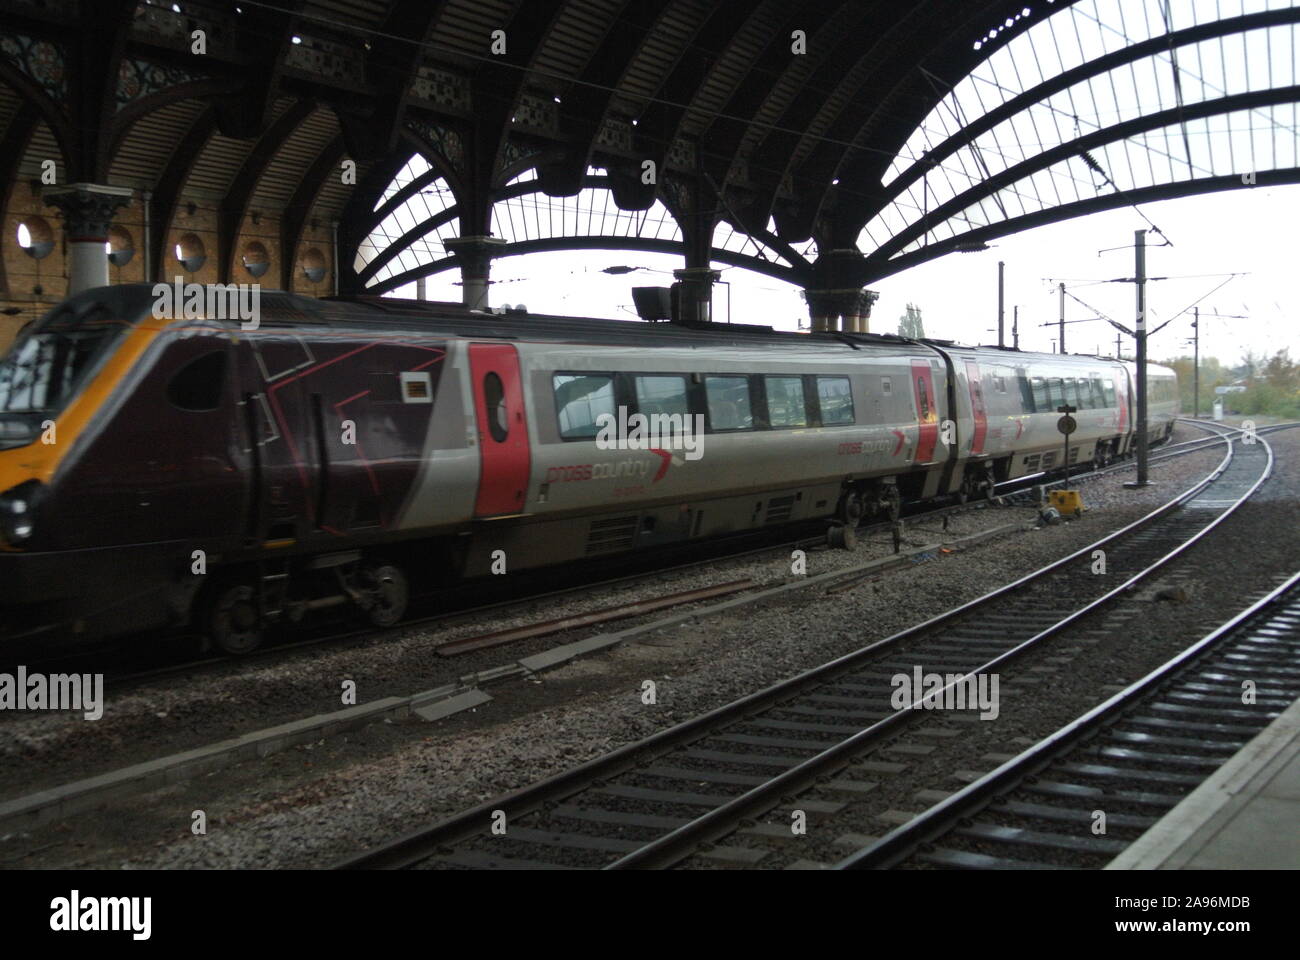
<point>46,367</point>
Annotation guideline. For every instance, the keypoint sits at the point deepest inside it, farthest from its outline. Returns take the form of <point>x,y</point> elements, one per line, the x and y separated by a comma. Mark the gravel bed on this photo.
<point>311,805</point>
<point>182,711</point>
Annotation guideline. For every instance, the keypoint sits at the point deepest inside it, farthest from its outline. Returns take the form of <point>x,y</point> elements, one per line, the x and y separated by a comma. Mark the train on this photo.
<point>177,468</point>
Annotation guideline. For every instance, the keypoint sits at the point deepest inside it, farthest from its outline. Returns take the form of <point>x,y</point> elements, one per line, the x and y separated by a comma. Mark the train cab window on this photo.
<point>494,399</point>
<point>198,386</point>
<point>580,398</point>
<point>1110,393</point>
<point>1000,384</point>
<point>729,407</point>
<point>836,398</point>
<point>661,395</point>
<point>785,403</point>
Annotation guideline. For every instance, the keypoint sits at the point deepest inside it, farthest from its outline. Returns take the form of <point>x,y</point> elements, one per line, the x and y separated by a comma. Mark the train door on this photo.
<point>504,458</point>
<point>977,407</point>
<point>927,410</point>
<point>281,450</point>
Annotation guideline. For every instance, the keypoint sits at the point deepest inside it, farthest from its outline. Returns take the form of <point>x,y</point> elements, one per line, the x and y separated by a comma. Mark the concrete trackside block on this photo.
<point>549,659</point>
<point>446,707</point>
<point>57,802</point>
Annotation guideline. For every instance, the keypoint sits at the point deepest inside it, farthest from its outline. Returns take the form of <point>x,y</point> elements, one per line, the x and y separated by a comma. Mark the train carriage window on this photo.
<point>1082,395</point>
<point>1055,392</point>
<point>1000,384</point>
<point>494,399</point>
<point>198,386</point>
<point>1026,393</point>
<point>665,395</point>
<point>886,388</point>
<point>579,400</point>
<point>1042,402</point>
<point>836,399</point>
<point>729,406</point>
<point>785,402</point>
<point>1098,393</point>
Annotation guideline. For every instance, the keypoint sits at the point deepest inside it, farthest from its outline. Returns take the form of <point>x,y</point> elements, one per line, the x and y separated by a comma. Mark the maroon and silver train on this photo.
<point>188,471</point>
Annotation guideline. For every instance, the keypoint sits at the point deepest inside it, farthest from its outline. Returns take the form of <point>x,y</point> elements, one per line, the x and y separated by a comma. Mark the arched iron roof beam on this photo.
<point>13,147</point>
<point>496,95</point>
<point>1162,191</point>
<point>554,244</point>
<point>585,105</point>
<point>167,191</point>
<point>300,205</point>
<point>230,214</point>
<point>661,121</point>
<point>1117,132</point>
<point>390,68</point>
<point>853,211</point>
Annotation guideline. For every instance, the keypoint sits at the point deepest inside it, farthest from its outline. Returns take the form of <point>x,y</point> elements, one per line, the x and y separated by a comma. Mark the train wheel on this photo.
<point>233,623</point>
<point>386,587</point>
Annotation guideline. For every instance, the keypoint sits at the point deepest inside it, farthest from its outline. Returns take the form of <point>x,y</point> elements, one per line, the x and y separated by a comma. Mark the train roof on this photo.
<point>280,309</point>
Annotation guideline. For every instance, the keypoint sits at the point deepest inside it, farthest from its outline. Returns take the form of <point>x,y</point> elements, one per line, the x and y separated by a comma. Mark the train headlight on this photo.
<point>17,512</point>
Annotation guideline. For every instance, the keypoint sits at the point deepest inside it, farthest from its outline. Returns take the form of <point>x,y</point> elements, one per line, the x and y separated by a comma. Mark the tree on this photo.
<point>1273,388</point>
<point>910,325</point>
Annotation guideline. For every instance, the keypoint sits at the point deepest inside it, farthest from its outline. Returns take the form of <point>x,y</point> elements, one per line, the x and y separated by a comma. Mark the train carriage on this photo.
<point>174,470</point>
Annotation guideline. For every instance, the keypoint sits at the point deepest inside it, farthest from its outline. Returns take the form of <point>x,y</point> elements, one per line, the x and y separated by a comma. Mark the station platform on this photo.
<point>1244,817</point>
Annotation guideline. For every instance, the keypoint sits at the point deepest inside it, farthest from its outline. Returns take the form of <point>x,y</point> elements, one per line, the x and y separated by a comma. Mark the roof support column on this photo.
<point>87,210</point>
<point>836,297</point>
<point>474,254</point>
<point>694,294</point>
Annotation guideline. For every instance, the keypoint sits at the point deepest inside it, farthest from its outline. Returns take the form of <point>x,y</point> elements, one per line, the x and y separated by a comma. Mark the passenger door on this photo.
<point>927,411</point>
<point>275,418</point>
<point>977,407</point>
<point>504,457</point>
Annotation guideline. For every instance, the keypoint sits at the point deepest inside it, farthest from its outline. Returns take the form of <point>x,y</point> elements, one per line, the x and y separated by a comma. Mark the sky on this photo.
<point>1235,252</point>
<point>1250,232</point>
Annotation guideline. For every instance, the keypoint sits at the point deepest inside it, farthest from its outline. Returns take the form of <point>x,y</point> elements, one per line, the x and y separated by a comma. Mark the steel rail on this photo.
<point>421,844</point>
<point>722,820</point>
<point>904,840</point>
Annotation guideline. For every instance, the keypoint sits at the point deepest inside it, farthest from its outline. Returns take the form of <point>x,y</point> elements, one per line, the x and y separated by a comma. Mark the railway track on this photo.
<point>1132,758</point>
<point>656,802</point>
<point>1016,492</point>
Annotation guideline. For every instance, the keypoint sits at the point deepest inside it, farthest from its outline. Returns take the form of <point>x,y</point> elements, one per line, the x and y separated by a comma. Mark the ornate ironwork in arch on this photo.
<point>418,212</point>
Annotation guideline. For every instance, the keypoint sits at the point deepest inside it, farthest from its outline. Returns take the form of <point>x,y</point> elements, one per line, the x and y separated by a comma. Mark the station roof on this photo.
<point>768,104</point>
